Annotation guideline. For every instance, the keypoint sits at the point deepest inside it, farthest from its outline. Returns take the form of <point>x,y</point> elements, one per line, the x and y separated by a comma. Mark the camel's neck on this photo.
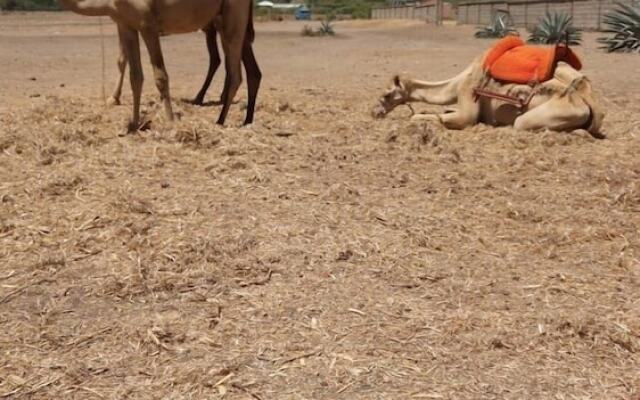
<point>442,92</point>
<point>88,7</point>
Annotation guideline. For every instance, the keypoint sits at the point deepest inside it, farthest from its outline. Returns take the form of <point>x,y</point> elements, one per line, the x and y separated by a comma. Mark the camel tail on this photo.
<point>251,33</point>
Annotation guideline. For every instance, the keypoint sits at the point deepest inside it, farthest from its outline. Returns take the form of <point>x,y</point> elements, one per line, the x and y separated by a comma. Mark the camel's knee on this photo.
<point>162,81</point>
<point>256,75</point>
<point>122,63</point>
<point>234,83</point>
<point>458,120</point>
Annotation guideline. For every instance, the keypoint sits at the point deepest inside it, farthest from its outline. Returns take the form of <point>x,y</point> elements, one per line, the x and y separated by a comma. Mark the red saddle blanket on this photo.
<point>509,60</point>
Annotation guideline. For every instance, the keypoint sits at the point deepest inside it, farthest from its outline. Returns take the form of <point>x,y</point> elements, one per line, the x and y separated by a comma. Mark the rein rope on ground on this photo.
<point>104,96</point>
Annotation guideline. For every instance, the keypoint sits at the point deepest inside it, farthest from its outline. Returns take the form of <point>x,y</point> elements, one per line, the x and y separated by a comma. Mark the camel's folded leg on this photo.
<point>465,115</point>
<point>561,113</point>
<point>122,65</point>
<point>427,117</point>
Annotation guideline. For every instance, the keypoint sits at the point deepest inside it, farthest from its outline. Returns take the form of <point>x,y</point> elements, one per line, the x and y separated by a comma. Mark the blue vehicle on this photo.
<point>302,13</point>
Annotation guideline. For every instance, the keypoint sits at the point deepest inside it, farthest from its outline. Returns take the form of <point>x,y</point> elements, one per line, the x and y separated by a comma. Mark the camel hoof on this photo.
<point>112,101</point>
<point>197,101</point>
<point>133,126</point>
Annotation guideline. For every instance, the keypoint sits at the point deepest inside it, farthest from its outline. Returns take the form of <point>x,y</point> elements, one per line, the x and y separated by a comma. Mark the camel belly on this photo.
<point>499,113</point>
<point>182,16</point>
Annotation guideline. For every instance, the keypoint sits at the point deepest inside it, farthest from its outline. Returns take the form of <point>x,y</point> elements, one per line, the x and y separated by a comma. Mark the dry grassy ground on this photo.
<point>317,254</point>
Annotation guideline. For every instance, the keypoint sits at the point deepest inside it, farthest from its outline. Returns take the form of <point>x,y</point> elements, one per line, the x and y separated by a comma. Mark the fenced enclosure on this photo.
<point>587,14</point>
<point>431,12</point>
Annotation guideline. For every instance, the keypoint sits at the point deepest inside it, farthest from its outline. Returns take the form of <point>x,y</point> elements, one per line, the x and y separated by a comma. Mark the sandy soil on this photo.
<point>318,254</point>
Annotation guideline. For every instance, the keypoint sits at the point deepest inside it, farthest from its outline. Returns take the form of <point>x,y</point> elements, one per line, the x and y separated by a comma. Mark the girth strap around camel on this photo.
<point>511,61</point>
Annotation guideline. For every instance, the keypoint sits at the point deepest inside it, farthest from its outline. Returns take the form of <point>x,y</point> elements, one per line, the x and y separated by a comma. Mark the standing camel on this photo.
<point>210,31</point>
<point>149,18</point>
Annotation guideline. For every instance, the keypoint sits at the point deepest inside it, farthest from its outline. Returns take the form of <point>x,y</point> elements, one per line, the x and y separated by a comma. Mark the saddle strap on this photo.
<point>516,101</point>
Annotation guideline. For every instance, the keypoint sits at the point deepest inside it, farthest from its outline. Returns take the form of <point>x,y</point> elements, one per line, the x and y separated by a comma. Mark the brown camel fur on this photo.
<point>149,19</point>
<point>210,31</point>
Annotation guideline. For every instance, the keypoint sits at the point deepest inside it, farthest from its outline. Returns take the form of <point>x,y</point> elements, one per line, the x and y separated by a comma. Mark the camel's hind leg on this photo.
<point>214,62</point>
<point>152,41</point>
<point>131,45</point>
<point>234,26</point>
<point>561,113</point>
<point>254,76</point>
<point>122,65</point>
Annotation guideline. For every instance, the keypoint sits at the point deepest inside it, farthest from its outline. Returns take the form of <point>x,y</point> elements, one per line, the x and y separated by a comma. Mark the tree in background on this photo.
<point>29,5</point>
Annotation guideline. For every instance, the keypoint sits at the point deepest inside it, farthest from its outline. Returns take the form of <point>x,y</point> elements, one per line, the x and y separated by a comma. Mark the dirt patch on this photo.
<point>318,253</point>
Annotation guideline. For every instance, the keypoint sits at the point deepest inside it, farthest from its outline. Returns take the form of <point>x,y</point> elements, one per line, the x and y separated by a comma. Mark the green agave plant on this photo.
<point>624,24</point>
<point>553,28</point>
<point>500,27</point>
<point>326,25</point>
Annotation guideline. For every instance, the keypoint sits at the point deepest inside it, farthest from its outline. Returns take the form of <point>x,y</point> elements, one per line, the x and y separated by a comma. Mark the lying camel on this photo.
<point>563,103</point>
<point>210,31</point>
<point>151,18</point>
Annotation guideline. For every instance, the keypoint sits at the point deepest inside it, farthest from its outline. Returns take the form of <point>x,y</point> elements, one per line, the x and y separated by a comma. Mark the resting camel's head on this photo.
<point>397,95</point>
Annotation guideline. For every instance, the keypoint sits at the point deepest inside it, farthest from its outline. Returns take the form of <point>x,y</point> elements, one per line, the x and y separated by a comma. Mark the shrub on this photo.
<point>499,27</point>
<point>553,28</point>
<point>326,25</point>
<point>624,25</point>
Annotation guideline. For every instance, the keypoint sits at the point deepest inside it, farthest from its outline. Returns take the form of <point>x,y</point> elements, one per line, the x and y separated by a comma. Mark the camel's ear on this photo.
<point>396,80</point>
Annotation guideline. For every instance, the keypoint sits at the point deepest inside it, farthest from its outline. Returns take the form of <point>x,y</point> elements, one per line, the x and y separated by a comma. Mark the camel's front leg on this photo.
<point>152,40</point>
<point>564,113</point>
<point>427,117</point>
<point>122,65</point>
<point>131,45</point>
<point>214,63</point>
<point>465,115</point>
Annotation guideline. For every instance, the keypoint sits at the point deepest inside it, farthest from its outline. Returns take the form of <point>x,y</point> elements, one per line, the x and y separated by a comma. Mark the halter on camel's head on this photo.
<point>396,95</point>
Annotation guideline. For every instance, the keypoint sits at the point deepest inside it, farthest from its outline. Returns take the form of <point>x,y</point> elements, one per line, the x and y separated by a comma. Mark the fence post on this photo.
<point>571,8</point>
